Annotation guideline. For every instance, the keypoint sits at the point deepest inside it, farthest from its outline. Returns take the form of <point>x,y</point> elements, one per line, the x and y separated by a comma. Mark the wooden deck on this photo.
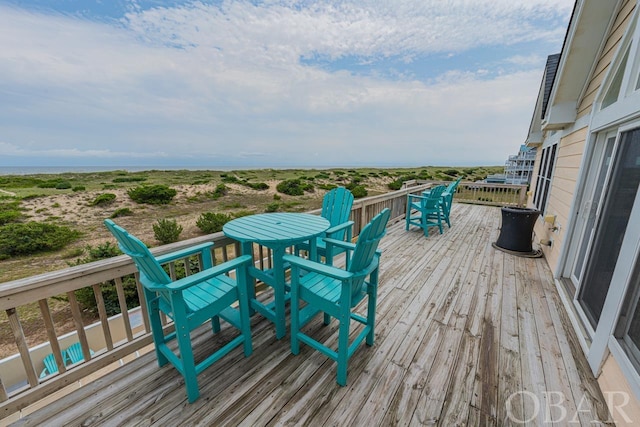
<point>466,335</point>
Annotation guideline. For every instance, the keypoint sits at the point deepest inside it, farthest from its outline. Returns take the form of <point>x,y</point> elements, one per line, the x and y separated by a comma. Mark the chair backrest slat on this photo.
<point>431,202</point>
<point>367,244</point>
<point>138,251</point>
<point>336,207</point>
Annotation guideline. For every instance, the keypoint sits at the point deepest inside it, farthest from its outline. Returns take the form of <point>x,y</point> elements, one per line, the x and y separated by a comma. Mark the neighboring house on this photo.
<point>586,128</point>
<point>519,168</point>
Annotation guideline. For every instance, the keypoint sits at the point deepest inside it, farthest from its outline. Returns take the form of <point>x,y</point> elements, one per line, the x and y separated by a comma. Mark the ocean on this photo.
<point>33,170</point>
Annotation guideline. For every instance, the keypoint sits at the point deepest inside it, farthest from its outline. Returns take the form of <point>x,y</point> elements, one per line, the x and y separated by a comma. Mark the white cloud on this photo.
<point>227,82</point>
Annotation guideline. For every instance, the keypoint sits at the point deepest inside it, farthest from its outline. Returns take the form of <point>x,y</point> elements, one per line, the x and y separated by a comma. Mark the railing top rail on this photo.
<point>122,262</point>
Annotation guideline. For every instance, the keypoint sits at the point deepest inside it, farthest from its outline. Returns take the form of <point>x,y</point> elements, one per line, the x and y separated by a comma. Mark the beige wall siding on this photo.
<point>617,31</point>
<point>616,390</point>
<point>563,186</point>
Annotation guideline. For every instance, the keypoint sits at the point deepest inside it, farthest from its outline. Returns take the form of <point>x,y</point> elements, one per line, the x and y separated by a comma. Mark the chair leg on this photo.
<point>295,308</point>
<point>371,306</point>
<point>188,363</point>
<point>425,224</point>
<point>343,346</point>
<point>327,319</point>
<point>153,306</point>
<point>243,280</point>
<point>215,323</point>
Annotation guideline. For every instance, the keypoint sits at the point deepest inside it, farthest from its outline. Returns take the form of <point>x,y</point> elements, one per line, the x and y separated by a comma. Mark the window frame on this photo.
<point>544,179</point>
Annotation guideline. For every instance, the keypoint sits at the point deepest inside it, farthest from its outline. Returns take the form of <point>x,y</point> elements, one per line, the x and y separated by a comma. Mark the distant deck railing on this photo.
<point>484,193</point>
<point>109,348</point>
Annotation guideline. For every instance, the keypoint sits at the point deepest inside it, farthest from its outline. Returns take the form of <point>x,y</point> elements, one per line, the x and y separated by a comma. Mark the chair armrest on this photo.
<point>316,267</point>
<point>417,196</point>
<point>339,227</point>
<point>340,243</point>
<point>183,253</point>
<point>207,274</point>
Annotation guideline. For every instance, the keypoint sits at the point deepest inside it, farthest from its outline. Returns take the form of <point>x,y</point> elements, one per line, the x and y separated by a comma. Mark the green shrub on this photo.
<point>103,199</point>
<point>293,187</point>
<point>33,237</point>
<point>102,251</point>
<point>63,185</point>
<point>277,197</point>
<point>359,191</point>
<point>10,212</point>
<point>129,179</point>
<point>257,185</point>
<point>78,188</point>
<point>220,190</point>
<point>121,212</point>
<point>272,207</point>
<point>33,196</point>
<point>167,231</point>
<point>158,194</point>
<point>7,216</point>
<point>229,178</point>
<point>210,222</point>
<point>50,183</point>
<point>397,184</point>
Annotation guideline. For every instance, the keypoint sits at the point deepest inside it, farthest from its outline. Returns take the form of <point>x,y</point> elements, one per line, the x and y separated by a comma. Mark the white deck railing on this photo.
<point>484,193</point>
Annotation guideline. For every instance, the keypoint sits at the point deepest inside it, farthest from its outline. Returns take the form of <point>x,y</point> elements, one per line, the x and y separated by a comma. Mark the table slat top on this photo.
<point>276,228</point>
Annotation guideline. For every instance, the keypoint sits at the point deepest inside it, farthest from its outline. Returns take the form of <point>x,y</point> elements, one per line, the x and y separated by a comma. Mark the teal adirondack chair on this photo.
<point>190,302</point>
<point>70,355</point>
<point>447,200</point>
<point>425,211</point>
<point>74,353</point>
<point>336,208</point>
<point>336,292</point>
<point>50,365</point>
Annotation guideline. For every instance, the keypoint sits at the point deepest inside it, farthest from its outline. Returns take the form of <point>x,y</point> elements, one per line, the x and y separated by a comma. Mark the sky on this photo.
<point>271,83</point>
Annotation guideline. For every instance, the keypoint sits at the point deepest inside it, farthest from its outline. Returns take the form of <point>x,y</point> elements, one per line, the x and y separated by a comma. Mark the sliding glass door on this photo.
<point>609,225</point>
<point>592,202</point>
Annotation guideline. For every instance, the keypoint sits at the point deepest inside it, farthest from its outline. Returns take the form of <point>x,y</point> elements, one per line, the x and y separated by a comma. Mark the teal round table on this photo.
<point>276,231</point>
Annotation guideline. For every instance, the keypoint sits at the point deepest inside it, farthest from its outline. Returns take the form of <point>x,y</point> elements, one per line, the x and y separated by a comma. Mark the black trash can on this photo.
<point>516,232</point>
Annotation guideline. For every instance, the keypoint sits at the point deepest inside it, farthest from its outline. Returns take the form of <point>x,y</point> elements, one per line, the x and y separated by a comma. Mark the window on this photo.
<point>545,171</point>
<point>628,329</point>
<point>613,92</point>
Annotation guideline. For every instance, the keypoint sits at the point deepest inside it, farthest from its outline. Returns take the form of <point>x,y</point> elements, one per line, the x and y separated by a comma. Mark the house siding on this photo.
<point>613,384</point>
<point>569,157</point>
<point>611,46</point>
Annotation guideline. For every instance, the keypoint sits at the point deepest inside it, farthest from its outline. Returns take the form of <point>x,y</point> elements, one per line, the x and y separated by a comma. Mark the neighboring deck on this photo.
<point>461,327</point>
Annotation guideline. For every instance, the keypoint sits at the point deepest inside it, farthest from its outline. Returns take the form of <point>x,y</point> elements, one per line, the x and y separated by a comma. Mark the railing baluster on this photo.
<point>3,392</point>
<point>77,318</point>
<point>51,333</point>
<point>123,308</point>
<point>23,348</point>
<point>143,303</point>
<point>102,313</point>
<point>172,270</point>
<point>261,256</point>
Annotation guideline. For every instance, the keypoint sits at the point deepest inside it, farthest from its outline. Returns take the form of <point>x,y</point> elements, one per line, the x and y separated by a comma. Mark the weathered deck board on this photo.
<point>461,327</point>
